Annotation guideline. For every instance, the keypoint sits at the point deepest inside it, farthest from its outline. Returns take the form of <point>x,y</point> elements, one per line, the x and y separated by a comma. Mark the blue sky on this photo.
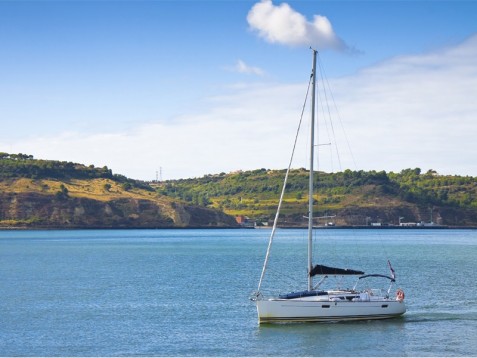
<point>203,87</point>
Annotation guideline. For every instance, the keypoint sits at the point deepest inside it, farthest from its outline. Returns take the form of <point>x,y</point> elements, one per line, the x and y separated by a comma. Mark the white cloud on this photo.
<point>416,111</point>
<point>282,24</point>
<point>242,67</point>
<point>410,111</point>
<point>239,131</point>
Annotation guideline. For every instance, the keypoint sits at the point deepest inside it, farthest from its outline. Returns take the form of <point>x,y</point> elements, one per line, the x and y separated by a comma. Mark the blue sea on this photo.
<point>186,293</point>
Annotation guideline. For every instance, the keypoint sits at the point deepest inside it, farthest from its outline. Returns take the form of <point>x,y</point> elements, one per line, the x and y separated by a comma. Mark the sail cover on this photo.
<point>326,270</point>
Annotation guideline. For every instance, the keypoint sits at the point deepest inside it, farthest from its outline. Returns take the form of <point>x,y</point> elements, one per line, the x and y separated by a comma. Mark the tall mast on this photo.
<point>310,185</point>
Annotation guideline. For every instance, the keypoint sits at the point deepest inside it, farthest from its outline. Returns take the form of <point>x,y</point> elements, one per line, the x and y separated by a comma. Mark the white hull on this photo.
<point>305,310</point>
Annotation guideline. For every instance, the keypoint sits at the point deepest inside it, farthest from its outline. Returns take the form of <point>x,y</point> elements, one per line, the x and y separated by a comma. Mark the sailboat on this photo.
<point>320,305</point>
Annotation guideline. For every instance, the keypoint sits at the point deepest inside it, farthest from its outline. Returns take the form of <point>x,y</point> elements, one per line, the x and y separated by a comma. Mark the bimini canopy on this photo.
<point>378,275</point>
<point>325,270</point>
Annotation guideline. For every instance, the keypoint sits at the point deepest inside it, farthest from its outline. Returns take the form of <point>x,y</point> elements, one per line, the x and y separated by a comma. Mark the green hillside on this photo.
<point>45,193</point>
<point>355,197</point>
<point>56,194</point>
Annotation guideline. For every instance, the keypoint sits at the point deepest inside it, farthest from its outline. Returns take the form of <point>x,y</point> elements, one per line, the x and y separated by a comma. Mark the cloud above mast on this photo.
<point>283,25</point>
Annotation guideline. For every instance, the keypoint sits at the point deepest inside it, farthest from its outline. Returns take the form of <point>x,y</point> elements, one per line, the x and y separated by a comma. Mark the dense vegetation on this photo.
<point>25,166</point>
<point>434,189</point>
<point>357,196</point>
<point>255,193</point>
<point>55,194</point>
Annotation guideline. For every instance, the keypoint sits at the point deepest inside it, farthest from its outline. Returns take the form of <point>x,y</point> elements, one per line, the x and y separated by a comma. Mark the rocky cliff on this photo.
<point>97,203</point>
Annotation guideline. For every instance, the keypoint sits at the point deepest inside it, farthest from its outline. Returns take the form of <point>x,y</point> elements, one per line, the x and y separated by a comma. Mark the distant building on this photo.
<point>407,224</point>
<point>241,219</point>
<point>422,223</point>
<point>244,221</point>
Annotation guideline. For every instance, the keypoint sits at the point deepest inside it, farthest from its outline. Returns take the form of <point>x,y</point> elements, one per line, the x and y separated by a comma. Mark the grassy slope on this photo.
<point>409,193</point>
<point>255,193</point>
<point>93,189</point>
<point>80,188</point>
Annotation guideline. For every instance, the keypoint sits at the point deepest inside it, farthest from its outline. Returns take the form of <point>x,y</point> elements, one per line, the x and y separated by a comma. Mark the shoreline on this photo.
<point>344,227</point>
<point>364,227</point>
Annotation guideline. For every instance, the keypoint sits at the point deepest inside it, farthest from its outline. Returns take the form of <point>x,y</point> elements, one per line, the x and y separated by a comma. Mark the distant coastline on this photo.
<point>45,194</point>
<point>364,227</point>
<point>343,227</point>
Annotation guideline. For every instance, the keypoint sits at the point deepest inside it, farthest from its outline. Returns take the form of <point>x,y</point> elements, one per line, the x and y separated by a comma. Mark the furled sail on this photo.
<point>326,270</point>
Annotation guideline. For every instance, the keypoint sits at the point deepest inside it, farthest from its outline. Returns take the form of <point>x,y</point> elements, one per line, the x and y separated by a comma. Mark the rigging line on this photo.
<point>287,279</point>
<point>284,186</point>
<point>324,121</point>
<point>329,114</point>
<point>330,138</point>
<point>326,84</point>
<point>322,69</point>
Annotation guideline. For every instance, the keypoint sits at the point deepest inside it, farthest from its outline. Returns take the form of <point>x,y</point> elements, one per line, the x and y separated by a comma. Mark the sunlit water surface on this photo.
<point>186,292</point>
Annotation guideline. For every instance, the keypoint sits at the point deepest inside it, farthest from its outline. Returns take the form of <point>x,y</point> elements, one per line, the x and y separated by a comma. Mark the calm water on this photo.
<point>185,292</point>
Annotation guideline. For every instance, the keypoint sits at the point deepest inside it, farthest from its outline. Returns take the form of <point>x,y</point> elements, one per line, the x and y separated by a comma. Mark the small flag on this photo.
<point>393,274</point>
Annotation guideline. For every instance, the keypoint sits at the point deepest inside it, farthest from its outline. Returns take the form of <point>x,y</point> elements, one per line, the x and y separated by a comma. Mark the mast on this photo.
<point>310,185</point>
